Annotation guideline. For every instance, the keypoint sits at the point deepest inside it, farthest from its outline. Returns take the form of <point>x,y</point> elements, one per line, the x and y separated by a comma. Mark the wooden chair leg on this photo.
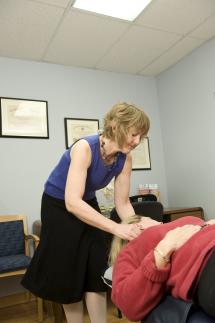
<point>58,312</point>
<point>40,309</point>
<point>27,296</point>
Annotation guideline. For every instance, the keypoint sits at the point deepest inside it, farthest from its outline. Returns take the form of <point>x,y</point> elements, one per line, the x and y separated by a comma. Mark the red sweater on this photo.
<point>138,285</point>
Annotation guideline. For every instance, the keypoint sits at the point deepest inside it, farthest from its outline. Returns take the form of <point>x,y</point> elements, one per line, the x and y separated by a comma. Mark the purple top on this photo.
<point>98,174</point>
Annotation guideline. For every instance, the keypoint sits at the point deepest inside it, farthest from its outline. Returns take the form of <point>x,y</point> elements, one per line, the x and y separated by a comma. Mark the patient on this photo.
<point>176,258</point>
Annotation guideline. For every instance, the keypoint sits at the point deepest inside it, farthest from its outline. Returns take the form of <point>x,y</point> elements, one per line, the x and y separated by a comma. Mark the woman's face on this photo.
<point>133,139</point>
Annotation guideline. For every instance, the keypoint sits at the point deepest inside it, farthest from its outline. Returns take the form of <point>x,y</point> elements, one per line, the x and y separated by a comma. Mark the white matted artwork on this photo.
<point>23,118</point>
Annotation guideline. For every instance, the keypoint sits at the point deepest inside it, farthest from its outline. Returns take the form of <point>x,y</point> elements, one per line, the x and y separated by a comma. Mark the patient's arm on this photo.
<point>138,286</point>
<point>139,276</point>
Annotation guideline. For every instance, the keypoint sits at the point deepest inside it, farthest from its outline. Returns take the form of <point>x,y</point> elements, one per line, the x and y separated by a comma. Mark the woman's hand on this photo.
<point>127,231</point>
<point>176,238</point>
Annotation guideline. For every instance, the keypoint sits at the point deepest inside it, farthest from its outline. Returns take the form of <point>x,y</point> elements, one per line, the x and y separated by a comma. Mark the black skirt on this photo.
<point>70,258</point>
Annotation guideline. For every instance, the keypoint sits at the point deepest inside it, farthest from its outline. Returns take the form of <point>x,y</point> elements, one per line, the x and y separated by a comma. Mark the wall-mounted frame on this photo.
<point>23,118</point>
<point>141,156</point>
<point>78,128</point>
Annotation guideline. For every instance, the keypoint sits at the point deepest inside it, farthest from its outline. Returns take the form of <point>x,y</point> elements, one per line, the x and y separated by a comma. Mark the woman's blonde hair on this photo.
<point>122,117</point>
<point>118,243</point>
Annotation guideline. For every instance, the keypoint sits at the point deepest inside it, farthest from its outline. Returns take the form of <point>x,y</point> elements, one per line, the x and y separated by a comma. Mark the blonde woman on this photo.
<point>176,258</point>
<point>71,256</point>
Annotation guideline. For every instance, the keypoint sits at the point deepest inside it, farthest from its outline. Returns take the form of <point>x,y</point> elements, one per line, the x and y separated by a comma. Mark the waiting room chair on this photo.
<point>15,250</point>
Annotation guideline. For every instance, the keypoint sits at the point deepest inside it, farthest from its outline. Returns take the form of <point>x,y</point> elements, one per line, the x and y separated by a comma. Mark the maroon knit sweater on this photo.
<point>138,286</point>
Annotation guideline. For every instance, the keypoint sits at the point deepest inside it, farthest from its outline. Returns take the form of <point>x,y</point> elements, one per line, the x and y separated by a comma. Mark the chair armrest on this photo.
<point>33,237</point>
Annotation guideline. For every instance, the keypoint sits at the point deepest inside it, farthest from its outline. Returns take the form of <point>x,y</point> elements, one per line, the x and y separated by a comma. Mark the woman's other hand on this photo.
<point>127,231</point>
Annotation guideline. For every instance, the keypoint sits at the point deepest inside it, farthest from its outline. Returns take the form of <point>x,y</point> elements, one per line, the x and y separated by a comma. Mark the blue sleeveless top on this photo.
<point>98,174</point>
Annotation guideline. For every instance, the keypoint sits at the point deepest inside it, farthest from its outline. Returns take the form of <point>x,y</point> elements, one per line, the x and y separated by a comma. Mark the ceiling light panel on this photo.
<point>122,9</point>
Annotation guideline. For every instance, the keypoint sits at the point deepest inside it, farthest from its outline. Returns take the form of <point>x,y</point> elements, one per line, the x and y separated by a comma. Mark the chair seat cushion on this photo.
<point>14,262</point>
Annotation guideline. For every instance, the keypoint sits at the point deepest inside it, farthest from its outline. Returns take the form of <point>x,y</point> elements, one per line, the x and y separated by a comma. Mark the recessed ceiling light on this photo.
<point>123,9</point>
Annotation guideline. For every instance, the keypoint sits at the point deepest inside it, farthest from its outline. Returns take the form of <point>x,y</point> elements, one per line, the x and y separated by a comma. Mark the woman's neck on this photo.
<point>108,150</point>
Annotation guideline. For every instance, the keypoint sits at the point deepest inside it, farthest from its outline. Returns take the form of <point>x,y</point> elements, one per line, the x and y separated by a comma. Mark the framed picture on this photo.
<point>78,128</point>
<point>141,156</point>
<point>23,118</point>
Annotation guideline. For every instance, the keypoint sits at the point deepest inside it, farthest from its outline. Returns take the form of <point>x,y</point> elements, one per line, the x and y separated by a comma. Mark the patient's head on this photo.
<point>118,243</point>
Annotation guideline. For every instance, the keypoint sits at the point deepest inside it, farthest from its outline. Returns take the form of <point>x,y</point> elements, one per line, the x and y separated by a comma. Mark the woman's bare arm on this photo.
<point>121,191</point>
<point>75,187</point>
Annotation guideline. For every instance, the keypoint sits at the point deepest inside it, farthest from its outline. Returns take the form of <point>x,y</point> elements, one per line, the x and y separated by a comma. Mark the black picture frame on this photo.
<point>23,118</point>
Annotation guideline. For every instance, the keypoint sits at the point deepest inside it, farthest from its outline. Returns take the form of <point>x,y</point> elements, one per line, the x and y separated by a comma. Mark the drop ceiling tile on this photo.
<point>83,39</point>
<point>172,56</point>
<point>205,30</point>
<point>38,29</point>
<point>26,27</point>
<point>136,49</point>
<point>58,3</point>
<point>176,16</point>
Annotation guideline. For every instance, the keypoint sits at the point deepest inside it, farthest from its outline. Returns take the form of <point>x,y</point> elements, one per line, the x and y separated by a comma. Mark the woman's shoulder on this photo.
<point>93,139</point>
<point>86,142</point>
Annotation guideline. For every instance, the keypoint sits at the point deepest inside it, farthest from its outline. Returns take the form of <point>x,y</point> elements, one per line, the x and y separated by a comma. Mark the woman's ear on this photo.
<point>114,129</point>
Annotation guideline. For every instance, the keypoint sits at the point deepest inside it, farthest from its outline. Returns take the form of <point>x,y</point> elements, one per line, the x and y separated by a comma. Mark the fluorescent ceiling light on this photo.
<point>123,9</point>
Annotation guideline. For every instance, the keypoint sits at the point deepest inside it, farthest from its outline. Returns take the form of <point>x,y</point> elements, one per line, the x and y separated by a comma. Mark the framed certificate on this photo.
<point>141,156</point>
<point>79,128</point>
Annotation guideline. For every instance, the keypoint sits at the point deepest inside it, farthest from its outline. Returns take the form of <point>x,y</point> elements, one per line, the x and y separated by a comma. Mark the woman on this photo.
<point>71,256</point>
<point>175,258</point>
